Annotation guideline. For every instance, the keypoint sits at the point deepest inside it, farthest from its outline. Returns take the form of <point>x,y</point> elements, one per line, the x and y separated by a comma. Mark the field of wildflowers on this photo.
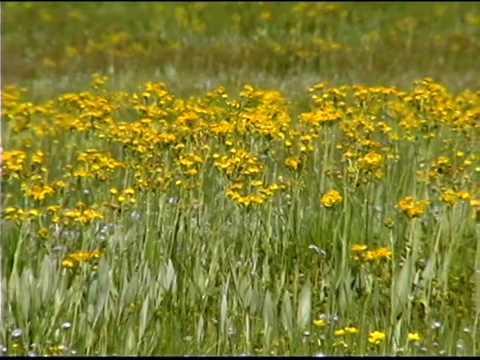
<point>232,179</point>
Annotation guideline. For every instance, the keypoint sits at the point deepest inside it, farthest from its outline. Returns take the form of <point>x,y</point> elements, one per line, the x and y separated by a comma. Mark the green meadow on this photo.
<point>260,178</point>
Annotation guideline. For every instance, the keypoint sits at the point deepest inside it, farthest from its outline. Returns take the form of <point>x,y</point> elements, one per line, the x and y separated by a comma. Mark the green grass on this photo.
<point>191,271</point>
<point>196,46</point>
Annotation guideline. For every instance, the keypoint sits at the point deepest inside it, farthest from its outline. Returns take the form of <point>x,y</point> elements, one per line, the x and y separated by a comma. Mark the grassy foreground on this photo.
<point>247,178</point>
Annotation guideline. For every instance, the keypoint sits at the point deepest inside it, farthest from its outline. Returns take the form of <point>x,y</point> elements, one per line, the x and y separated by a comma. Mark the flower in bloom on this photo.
<point>376,337</point>
<point>73,259</point>
<point>346,330</point>
<point>380,253</point>
<point>372,160</point>
<point>320,323</point>
<point>293,162</point>
<point>351,330</point>
<point>475,204</point>
<point>449,196</point>
<point>411,208</point>
<point>69,263</point>
<point>389,222</point>
<point>413,336</point>
<point>359,247</point>
<point>331,198</point>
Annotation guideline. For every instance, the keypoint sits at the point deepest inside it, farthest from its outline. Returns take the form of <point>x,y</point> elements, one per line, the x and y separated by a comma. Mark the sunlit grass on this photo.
<point>234,180</point>
<point>282,45</point>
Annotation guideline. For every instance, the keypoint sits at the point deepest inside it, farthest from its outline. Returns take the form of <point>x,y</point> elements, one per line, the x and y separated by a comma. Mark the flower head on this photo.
<point>331,198</point>
<point>376,337</point>
<point>359,247</point>
<point>320,323</point>
<point>413,336</point>
<point>372,160</point>
<point>351,330</point>
<point>411,208</point>
<point>293,162</point>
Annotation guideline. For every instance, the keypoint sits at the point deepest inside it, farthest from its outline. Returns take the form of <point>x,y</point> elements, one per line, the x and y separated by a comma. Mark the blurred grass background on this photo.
<point>52,48</point>
<point>194,46</point>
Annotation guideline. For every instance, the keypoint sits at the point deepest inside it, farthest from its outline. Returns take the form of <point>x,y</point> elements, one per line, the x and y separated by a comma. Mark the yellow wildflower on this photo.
<point>359,247</point>
<point>42,233</point>
<point>475,202</point>
<point>449,196</point>
<point>34,212</point>
<point>372,160</point>
<point>464,195</point>
<point>351,330</point>
<point>388,222</point>
<point>331,198</point>
<point>376,337</point>
<point>411,208</point>
<point>80,256</point>
<point>413,336</point>
<point>129,191</point>
<point>69,263</point>
<point>293,162</point>
<point>320,323</point>
<point>382,253</point>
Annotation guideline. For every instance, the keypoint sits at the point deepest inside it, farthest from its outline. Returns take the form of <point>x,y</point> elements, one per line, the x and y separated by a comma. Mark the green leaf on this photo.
<point>24,295</point>
<point>304,306</point>
<point>200,330</point>
<point>402,287</point>
<point>46,279</point>
<point>144,312</point>
<point>268,310</point>
<point>223,313</point>
<point>103,287</point>
<point>170,277</point>
<point>287,312</point>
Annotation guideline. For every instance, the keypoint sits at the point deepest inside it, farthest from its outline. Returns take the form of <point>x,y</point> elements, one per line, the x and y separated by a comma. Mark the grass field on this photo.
<point>240,178</point>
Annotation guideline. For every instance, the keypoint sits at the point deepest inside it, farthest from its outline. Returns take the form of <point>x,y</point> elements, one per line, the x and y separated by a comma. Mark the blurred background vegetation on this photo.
<point>195,46</point>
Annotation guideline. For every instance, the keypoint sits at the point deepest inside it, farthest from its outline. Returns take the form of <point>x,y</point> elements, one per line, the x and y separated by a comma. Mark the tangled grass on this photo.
<point>341,220</point>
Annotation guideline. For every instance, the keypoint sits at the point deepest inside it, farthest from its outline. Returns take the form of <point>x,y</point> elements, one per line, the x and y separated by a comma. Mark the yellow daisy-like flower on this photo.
<point>69,263</point>
<point>376,337</point>
<point>320,323</point>
<point>413,336</point>
<point>382,253</point>
<point>475,202</point>
<point>331,198</point>
<point>372,160</point>
<point>411,208</point>
<point>351,330</point>
<point>293,163</point>
<point>359,247</point>
<point>389,222</point>
<point>449,196</point>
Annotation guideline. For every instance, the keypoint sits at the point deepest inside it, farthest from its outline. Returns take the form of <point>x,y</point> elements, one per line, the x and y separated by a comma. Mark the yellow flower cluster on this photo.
<point>377,337</point>
<point>450,196</point>
<point>346,330</point>
<point>360,253</point>
<point>411,208</point>
<point>125,196</point>
<point>331,198</point>
<point>261,195</point>
<point>73,259</point>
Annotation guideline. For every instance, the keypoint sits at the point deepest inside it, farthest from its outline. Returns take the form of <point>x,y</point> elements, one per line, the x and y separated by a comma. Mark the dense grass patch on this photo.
<point>233,179</point>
